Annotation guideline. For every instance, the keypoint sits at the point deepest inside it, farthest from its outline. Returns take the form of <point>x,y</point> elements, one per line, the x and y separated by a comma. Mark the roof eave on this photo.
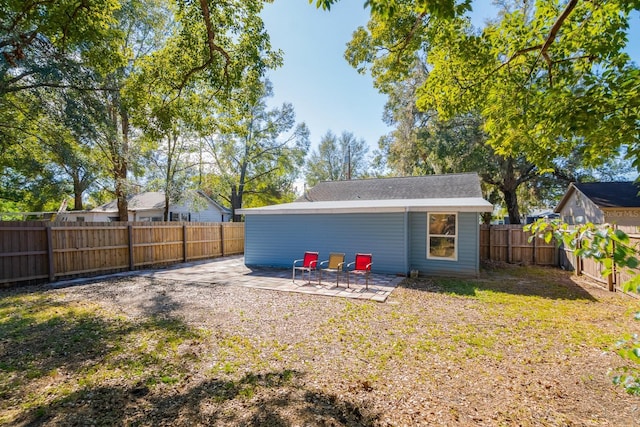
<point>307,209</point>
<point>565,198</point>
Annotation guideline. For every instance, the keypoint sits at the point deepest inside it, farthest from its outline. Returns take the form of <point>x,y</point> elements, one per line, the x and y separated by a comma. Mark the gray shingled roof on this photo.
<point>611,194</point>
<point>141,201</point>
<point>149,200</point>
<point>414,187</point>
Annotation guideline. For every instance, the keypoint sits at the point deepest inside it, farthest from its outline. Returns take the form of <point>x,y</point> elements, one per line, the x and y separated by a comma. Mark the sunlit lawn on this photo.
<point>80,361</point>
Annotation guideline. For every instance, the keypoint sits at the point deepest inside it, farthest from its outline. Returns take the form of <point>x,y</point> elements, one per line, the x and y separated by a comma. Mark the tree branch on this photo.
<point>213,48</point>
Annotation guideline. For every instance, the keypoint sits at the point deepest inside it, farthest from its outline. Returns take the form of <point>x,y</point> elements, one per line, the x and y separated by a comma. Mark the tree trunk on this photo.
<point>166,205</point>
<point>509,189</point>
<point>121,178</point>
<point>511,200</point>
<point>486,217</point>
<point>77,193</point>
<point>237,192</point>
<point>168,178</point>
<point>236,203</point>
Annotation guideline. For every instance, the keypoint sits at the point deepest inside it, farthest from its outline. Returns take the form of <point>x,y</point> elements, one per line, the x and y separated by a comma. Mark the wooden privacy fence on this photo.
<point>510,244</point>
<point>38,251</point>
<point>593,269</point>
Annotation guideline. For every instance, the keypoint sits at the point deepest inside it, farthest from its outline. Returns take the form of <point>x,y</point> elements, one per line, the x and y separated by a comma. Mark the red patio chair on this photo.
<point>309,264</point>
<point>361,266</point>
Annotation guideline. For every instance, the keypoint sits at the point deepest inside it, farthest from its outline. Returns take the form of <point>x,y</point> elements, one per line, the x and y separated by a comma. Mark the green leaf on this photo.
<point>632,262</point>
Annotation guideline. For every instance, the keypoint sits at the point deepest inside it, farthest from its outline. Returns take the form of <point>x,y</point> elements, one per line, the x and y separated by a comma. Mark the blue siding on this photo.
<point>468,246</point>
<point>276,240</point>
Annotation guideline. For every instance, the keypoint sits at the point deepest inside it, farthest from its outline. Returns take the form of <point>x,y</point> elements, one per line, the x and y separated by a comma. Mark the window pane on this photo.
<point>442,247</point>
<point>442,224</point>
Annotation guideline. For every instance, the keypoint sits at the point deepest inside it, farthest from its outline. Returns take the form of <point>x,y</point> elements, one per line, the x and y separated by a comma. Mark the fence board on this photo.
<point>90,248</point>
<point>625,275</point>
<point>233,242</point>
<point>204,242</point>
<point>510,244</point>
<point>23,251</point>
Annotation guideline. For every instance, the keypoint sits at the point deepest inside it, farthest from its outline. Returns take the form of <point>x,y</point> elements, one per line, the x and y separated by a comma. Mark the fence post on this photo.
<point>222,238</point>
<point>578,259</point>
<point>535,258</point>
<point>184,243</point>
<point>52,270</point>
<point>611,280</point>
<point>131,260</point>
<point>509,255</point>
<point>489,243</point>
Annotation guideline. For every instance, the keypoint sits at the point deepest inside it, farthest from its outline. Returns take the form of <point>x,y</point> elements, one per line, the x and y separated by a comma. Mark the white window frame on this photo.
<point>455,237</point>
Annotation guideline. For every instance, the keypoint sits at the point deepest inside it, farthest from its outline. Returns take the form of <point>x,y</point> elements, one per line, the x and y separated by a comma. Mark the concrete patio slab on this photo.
<point>232,271</point>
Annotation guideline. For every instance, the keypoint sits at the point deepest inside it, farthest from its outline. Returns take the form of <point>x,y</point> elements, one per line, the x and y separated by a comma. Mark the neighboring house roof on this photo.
<point>142,201</point>
<point>414,187</point>
<point>218,205</point>
<point>150,200</point>
<point>458,192</point>
<point>605,194</point>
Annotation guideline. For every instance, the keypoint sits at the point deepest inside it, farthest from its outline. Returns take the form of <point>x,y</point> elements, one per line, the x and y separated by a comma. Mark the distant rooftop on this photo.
<point>151,200</point>
<point>611,194</point>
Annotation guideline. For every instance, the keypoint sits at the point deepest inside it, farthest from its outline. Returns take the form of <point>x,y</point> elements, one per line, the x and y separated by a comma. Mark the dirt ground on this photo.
<point>523,346</point>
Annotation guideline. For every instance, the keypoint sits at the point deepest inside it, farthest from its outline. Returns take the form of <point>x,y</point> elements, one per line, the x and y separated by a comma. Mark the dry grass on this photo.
<point>522,346</point>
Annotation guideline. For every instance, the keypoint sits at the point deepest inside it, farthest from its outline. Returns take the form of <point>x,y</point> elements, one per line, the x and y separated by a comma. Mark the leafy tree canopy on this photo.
<point>548,79</point>
<point>337,158</point>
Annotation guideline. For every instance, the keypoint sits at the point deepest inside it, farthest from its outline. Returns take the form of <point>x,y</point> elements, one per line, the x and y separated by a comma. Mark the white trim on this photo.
<point>459,204</point>
<point>455,238</point>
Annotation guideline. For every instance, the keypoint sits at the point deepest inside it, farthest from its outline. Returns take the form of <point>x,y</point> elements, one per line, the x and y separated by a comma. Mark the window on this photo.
<point>180,216</point>
<point>442,236</point>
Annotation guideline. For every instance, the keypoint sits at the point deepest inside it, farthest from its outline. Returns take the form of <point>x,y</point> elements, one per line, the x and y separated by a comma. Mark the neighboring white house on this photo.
<point>149,206</point>
<point>601,202</point>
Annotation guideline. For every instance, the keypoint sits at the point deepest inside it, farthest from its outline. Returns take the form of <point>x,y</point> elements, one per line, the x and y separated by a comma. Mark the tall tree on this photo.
<point>98,51</point>
<point>424,144</point>
<point>198,68</point>
<point>256,151</point>
<point>337,158</point>
<point>171,164</point>
<point>48,43</point>
<point>548,80</point>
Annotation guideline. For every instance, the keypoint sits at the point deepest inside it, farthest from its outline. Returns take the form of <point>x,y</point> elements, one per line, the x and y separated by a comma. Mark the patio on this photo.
<point>231,271</point>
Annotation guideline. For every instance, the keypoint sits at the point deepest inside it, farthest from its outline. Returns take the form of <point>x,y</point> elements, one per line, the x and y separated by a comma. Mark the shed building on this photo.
<point>427,223</point>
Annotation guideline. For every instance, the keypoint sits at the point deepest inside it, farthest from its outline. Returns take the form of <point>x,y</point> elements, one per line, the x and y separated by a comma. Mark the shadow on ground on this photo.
<point>273,399</point>
<point>71,364</point>
<point>551,283</point>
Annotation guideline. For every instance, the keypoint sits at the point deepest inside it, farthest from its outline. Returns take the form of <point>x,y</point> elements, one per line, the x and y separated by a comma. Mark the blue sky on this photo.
<point>326,92</point>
